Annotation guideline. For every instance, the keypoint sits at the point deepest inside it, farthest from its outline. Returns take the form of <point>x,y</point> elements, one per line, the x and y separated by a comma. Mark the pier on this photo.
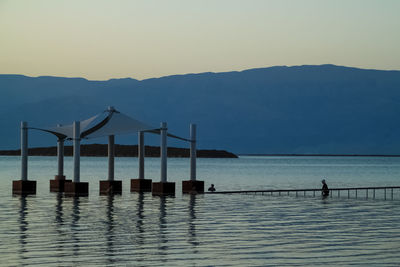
<point>387,192</point>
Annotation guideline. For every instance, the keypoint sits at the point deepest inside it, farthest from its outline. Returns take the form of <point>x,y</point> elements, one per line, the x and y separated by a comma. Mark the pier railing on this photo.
<point>381,191</point>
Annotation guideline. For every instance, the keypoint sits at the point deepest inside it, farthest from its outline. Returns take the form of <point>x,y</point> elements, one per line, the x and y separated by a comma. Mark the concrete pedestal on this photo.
<point>163,188</point>
<point>57,185</point>
<point>59,177</point>
<point>110,187</point>
<point>24,187</point>
<point>192,187</point>
<point>141,185</point>
<point>76,189</point>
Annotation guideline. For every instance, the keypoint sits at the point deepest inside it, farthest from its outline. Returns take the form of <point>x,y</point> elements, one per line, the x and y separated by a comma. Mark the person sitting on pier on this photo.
<point>211,188</point>
<point>325,189</point>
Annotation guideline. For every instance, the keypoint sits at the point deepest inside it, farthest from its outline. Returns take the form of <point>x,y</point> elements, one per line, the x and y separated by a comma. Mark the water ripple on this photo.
<point>198,230</point>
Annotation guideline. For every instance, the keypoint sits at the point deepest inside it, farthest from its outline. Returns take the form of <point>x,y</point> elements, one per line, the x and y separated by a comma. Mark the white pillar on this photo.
<point>60,157</point>
<point>111,153</point>
<point>24,151</point>
<point>141,154</point>
<point>77,150</point>
<point>163,152</point>
<point>193,152</point>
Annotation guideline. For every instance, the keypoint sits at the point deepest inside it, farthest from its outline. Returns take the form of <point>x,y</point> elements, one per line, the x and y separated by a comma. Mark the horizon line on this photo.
<point>200,73</point>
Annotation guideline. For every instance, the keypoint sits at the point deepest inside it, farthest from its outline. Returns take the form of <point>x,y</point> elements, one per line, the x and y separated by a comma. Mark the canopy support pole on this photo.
<point>193,152</point>
<point>141,154</point>
<point>76,151</point>
<point>24,186</point>
<point>193,186</point>
<point>60,157</point>
<point>58,184</point>
<point>141,184</point>
<point>111,154</point>
<point>24,151</point>
<point>163,187</point>
<point>110,186</point>
<point>163,152</point>
<point>76,188</point>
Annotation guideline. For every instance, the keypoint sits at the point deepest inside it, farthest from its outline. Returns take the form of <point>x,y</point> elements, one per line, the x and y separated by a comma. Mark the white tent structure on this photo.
<point>114,123</point>
<point>109,123</point>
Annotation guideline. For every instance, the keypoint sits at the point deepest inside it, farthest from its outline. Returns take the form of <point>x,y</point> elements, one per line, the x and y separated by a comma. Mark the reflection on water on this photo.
<point>192,222</point>
<point>140,219</point>
<point>59,221</point>
<point>23,225</point>
<point>59,210</point>
<point>162,235</point>
<point>203,230</point>
<point>75,225</point>
<point>110,228</point>
<point>139,231</point>
<point>211,230</point>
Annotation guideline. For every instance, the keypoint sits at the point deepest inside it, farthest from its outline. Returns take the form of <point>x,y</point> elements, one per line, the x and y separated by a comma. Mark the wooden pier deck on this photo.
<point>381,191</point>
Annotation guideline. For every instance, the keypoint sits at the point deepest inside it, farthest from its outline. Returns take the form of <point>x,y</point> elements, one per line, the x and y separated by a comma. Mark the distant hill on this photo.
<point>324,109</point>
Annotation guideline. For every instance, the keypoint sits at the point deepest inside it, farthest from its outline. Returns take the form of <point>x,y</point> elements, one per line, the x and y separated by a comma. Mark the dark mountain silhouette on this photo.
<point>303,109</point>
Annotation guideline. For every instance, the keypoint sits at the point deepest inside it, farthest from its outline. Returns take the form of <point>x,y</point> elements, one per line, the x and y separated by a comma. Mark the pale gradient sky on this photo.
<point>102,39</point>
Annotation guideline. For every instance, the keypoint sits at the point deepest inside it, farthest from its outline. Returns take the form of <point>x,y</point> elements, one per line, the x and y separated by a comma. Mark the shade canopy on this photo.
<point>117,123</point>
<point>109,122</point>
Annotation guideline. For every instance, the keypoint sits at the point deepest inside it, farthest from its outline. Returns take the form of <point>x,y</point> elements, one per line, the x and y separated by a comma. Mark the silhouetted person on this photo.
<point>211,188</point>
<point>325,189</point>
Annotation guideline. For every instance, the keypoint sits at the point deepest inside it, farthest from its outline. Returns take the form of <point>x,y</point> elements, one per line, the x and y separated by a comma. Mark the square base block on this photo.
<point>58,185</point>
<point>24,187</point>
<point>192,187</point>
<point>110,187</point>
<point>76,189</point>
<point>59,177</point>
<point>141,185</point>
<point>165,188</point>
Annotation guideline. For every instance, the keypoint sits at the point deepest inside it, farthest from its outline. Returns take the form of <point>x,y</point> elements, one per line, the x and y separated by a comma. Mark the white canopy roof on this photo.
<point>110,122</point>
<point>66,131</point>
<point>117,123</point>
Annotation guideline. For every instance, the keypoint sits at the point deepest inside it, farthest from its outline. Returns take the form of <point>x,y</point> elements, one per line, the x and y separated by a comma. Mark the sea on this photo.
<point>132,229</point>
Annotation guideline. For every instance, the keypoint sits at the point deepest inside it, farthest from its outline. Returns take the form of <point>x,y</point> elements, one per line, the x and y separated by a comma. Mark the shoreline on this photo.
<point>101,150</point>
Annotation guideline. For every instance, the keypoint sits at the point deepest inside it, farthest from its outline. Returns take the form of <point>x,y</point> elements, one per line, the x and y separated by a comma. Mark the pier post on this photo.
<point>111,157</point>
<point>192,185</point>
<point>60,158</point>
<point>24,186</point>
<point>24,151</point>
<point>76,188</point>
<point>163,187</point>
<point>163,152</point>
<point>193,152</point>
<point>76,151</point>
<point>141,154</point>
<point>58,184</point>
<point>141,184</point>
<point>110,186</point>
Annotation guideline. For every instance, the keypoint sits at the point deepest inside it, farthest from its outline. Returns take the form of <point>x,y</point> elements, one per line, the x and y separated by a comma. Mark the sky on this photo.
<point>103,39</point>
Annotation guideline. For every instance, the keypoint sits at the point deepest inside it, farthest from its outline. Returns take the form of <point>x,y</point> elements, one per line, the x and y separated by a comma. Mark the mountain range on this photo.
<point>322,109</point>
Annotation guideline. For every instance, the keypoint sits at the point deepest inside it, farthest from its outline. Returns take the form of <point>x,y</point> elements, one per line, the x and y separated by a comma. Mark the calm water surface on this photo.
<point>204,230</point>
